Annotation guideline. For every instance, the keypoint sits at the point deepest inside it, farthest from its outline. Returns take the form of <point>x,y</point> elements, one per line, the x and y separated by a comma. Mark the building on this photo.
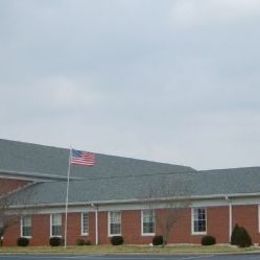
<point>121,196</point>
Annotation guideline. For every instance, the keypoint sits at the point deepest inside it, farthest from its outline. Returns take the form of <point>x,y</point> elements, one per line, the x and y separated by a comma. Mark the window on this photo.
<point>26,226</point>
<point>114,223</point>
<point>56,225</point>
<point>148,222</point>
<point>84,223</point>
<point>199,221</point>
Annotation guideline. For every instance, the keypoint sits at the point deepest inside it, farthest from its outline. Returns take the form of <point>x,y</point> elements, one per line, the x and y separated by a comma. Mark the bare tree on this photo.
<point>9,215</point>
<point>169,197</point>
<point>6,219</point>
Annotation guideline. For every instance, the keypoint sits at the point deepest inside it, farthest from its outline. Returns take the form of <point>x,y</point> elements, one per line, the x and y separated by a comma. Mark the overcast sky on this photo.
<point>172,81</point>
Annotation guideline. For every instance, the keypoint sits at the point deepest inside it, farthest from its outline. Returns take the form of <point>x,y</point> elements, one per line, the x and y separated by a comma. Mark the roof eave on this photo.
<point>143,200</point>
<point>32,176</point>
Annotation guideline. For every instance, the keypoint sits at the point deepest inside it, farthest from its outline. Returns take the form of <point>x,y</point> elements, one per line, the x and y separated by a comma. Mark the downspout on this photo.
<point>230,221</point>
<point>96,222</point>
<point>230,217</point>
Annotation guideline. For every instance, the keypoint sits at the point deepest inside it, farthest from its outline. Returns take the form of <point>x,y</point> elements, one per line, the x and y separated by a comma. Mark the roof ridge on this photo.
<point>31,143</point>
<point>228,169</point>
<point>97,153</point>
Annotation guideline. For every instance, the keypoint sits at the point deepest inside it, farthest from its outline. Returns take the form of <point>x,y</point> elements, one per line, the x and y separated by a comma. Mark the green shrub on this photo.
<point>157,240</point>
<point>235,235</point>
<point>23,241</point>
<point>117,240</point>
<point>245,239</point>
<point>56,241</point>
<point>208,240</point>
<point>240,237</point>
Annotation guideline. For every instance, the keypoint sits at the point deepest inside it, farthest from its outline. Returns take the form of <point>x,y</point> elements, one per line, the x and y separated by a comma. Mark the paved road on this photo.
<point>131,257</point>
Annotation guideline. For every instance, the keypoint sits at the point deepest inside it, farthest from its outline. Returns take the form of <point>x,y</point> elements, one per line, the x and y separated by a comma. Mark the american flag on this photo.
<point>82,158</point>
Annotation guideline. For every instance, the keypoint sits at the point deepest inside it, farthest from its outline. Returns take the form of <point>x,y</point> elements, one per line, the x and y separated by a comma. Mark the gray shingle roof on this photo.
<point>99,189</point>
<point>35,160</point>
<point>116,178</point>
<point>203,183</point>
<point>229,181</point>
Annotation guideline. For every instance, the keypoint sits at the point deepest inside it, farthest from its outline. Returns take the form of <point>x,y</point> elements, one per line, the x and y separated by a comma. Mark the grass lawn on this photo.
<point>129,250</point>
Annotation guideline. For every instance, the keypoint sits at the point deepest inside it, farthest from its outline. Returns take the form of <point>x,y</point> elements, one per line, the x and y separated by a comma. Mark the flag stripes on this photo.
<point>82,158</point>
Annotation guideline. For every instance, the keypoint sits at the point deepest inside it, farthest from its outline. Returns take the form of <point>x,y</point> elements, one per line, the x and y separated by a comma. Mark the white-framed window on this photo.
<point>84,223</point>
<point>56,225</point>
<point>199,221</point>
<point>26,226</point>
<point>114,223</point>
<point>148,222</point>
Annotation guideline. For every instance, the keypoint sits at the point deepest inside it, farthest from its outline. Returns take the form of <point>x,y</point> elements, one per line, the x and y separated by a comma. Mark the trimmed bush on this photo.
<point>23,241</point>
<point>235,235</point>
<point>245,239</point>
<point>56,241</point>
<point>240,237</point>
<point>157,240</point>
<point>117,240</point>
<point>208,240</point>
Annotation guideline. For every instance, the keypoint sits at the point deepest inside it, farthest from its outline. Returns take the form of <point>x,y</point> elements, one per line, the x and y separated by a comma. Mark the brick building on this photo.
<point>122,196</point>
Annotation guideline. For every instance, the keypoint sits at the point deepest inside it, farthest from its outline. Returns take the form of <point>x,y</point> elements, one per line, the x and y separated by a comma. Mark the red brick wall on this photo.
<point>131,228</point>
<point>247,216</point>
<point>12,233</point>
<point>217,226</point>
<point>218,223</point>
<point>7,185</point>
<point>40,230</point>
<point>74,228</point>
<point>102,225</point>
<point>181,228</point>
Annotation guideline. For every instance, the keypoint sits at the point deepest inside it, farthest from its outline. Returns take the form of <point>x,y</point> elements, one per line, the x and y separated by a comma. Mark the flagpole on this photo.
<point>67,201</point>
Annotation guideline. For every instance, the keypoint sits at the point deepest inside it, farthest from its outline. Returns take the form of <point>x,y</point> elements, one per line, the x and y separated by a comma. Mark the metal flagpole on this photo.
<point>67,202</point>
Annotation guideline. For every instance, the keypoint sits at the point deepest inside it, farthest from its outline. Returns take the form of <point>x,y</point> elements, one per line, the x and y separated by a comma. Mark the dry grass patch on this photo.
<point>108,249</point>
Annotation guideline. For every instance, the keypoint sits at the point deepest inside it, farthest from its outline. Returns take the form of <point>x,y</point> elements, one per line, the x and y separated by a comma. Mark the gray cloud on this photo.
<point>171,81</point>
